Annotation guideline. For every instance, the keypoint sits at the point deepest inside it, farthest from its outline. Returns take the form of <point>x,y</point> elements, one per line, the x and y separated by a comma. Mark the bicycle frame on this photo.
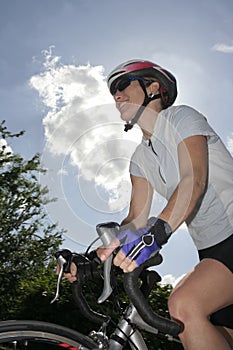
<point>126,332</point>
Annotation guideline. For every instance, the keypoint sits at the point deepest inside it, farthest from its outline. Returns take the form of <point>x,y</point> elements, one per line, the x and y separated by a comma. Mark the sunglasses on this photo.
<point>125,82</point>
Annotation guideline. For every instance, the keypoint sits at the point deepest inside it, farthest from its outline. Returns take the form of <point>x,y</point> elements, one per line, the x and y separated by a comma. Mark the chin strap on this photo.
<point>147,99</point>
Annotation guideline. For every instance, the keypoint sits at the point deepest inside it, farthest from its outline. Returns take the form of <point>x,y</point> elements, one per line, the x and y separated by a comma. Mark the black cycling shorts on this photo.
<point>221,252</point>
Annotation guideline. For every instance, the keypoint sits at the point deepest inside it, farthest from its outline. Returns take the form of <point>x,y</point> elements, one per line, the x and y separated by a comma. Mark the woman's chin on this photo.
<point>126,117</point>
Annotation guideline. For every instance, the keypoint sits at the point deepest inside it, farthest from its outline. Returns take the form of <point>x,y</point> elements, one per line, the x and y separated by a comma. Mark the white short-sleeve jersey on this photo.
<point>157,161</point>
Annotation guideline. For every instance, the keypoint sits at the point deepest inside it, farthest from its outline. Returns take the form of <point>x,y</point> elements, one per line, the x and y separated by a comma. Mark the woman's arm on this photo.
<point>140,204</point>
<point>139,209</point>
<point>193,168</point>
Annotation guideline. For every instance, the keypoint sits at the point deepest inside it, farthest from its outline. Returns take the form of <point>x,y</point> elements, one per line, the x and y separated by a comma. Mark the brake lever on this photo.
<point>107,232</point>
<point>61,262</point>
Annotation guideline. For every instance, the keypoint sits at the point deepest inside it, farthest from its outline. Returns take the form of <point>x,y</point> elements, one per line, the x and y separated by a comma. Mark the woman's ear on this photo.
<point>153,88</point>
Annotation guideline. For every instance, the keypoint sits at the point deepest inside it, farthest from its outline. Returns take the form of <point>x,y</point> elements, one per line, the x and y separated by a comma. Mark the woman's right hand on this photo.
<point>70,276</point>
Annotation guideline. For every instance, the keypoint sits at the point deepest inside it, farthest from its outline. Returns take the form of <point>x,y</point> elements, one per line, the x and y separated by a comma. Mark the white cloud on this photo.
<point>170,279</point>
<point>83,126</point>
<point>223,47</point>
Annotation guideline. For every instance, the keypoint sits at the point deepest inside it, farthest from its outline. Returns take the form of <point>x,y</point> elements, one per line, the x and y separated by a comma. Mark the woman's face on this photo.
<point>129,100</point>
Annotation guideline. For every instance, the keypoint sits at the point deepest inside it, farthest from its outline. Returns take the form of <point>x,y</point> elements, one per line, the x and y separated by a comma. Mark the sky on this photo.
<point>55,56</point>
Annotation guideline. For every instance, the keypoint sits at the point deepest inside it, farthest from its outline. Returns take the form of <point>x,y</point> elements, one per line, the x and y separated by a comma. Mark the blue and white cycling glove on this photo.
<point>140,245</point>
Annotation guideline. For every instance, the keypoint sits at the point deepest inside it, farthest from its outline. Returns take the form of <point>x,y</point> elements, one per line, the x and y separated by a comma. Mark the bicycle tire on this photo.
<point>26,334</point>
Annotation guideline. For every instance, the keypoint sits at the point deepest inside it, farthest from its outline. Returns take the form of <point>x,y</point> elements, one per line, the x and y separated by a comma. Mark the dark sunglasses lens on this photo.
<point>122,85</point>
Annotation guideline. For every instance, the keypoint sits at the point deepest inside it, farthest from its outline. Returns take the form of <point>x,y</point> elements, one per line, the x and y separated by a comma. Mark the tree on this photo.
<point>27,239</point>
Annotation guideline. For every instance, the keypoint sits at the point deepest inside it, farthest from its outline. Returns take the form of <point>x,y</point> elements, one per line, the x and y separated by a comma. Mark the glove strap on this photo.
<point>161,231</point>
<point>147,240</point>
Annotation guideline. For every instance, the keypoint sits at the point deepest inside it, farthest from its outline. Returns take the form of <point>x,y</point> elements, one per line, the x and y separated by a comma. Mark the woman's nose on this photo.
<point>118,96</point>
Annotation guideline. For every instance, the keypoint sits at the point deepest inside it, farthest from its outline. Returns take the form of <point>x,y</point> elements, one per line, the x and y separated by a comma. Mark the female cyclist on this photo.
<point>182,158</point>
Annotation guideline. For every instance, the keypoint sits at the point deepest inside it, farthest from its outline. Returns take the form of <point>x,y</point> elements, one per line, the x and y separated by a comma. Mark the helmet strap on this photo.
<point>147,100</point>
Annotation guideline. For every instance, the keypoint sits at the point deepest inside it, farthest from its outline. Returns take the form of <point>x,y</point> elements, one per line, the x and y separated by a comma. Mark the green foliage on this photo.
<point>27,239</point>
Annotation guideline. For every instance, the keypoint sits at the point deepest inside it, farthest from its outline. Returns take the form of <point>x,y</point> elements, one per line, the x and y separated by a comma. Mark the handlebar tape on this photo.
<point>83,306</point>
<point>133,291</point>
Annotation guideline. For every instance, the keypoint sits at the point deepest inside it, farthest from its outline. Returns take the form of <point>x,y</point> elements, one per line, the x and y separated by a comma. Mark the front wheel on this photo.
<point>35,335</point>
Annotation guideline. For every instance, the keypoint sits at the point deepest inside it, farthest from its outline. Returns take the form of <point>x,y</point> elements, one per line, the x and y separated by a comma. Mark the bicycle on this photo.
<point>137,315</point>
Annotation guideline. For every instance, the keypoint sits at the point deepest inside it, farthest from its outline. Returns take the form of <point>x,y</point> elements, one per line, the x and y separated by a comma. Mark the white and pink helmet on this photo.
<point>146,69</point>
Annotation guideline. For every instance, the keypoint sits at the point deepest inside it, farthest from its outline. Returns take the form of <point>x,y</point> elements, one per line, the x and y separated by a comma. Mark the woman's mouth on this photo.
<point>120,106</point>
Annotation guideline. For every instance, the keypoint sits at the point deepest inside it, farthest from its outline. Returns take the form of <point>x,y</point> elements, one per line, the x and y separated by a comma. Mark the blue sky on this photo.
<point>55,55</point>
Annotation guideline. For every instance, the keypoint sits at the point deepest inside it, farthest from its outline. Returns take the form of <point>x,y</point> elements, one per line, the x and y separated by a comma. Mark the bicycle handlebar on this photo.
<point>80,300</point>
<point>107,232</point>
<point>138,299</point>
